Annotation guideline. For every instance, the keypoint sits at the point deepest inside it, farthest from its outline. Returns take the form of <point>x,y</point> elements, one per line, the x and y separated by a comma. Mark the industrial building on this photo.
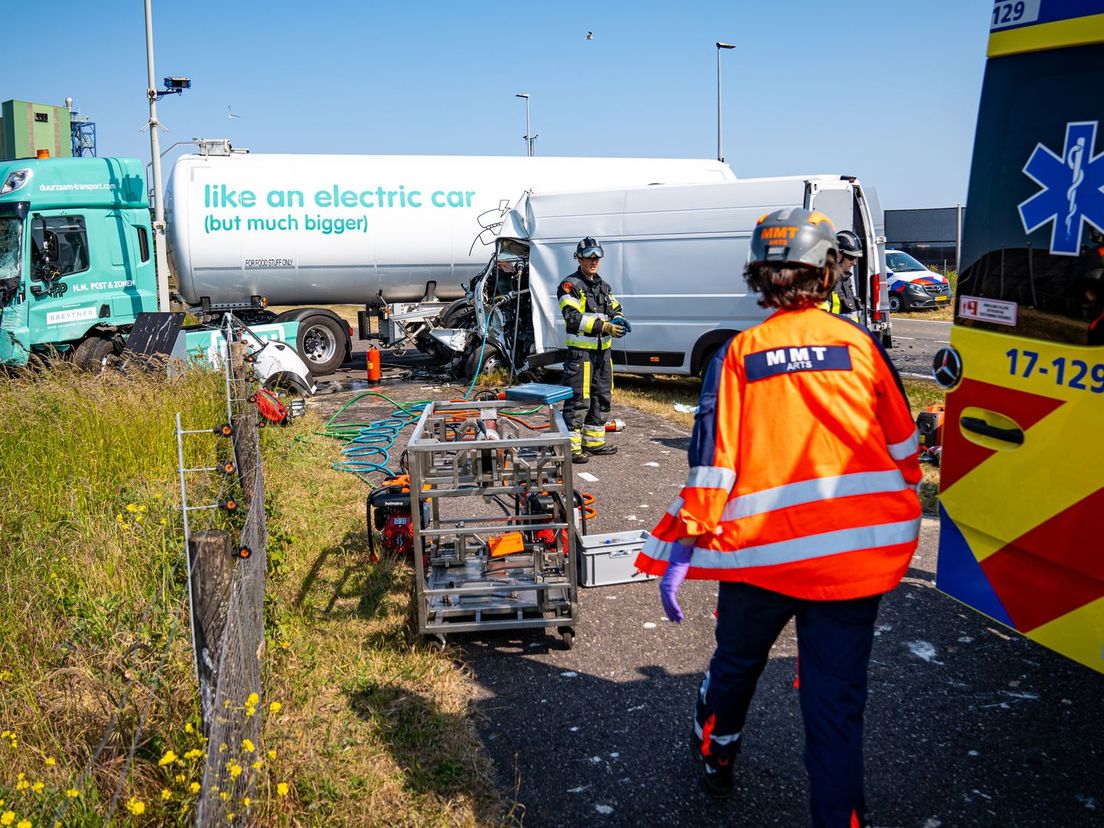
<point>932,236</point>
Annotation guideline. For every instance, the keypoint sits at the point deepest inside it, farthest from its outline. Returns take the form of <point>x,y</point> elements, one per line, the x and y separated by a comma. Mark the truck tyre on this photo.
<point>322,344</point>
<point>93,354</point>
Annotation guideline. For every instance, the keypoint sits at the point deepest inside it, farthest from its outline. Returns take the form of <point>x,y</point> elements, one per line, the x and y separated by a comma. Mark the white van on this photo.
<point>674,256</point>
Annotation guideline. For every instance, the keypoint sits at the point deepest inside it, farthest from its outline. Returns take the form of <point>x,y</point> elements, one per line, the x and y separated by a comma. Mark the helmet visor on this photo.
<point>590,253</point>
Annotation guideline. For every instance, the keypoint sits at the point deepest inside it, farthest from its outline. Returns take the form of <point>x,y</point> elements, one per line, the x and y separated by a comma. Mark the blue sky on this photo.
<point>885,90</point>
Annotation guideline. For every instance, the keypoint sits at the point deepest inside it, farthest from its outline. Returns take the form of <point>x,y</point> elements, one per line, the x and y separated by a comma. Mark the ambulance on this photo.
<point>1022,488</point>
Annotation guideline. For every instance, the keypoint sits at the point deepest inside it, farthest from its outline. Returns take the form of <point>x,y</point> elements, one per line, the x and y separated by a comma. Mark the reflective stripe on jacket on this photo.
<point>803,465</point>
<point>585,306</point>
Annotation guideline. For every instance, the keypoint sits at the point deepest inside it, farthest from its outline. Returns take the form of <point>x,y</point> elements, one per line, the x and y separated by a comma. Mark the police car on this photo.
<point>912,286</point>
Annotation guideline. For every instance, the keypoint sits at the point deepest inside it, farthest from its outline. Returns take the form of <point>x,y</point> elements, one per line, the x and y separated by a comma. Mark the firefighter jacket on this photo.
<point>585,305</point>
<point>803,465</point>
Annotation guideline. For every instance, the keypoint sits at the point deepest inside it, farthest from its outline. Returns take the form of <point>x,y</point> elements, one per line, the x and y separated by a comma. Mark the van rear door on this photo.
<point>845,203</point>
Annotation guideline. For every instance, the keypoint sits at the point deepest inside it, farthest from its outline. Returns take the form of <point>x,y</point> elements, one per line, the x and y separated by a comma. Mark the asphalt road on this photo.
<point>915,341</point>
<point>967,724</point>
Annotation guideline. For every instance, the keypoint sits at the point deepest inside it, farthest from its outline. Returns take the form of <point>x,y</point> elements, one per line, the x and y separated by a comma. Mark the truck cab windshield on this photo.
<point>11,248</point>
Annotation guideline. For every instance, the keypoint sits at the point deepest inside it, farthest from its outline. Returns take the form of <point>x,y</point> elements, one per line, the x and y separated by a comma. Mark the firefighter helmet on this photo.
<point>793,236</point>
<point>849,244</point>
<point>589,248</point>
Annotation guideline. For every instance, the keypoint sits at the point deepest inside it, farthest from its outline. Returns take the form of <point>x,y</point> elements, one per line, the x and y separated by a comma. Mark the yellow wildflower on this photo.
<point>272,754</point>
<point>130,507</point>
<point>5,734</point>
<point>5,675</point>
<point>137,518</point>
<point>166,794</point>
<point>142,508</point>
<point>222,747</point>
<point>72,793</point>
<point>194,753</point>
<point>274,707</point>
<point>22,784</point>
<point>136,806</point>
<point>167,759</point>
<point>50,761</point>
<point>181,777</point>
<point>281,789</point>
<point>37,787</point>
<point>194,787</point>
<point>24,823</point>
<point>249,711</point>
<point>235,770</point>
<point>7,818</point>
<point>247,745</point>
<point>224,796</point>
<point>285,644</point>
<point>256,766</point>
<point>164,521</point>
<point>188,728</point>
<point>246,801</point>
<point>253,700</point>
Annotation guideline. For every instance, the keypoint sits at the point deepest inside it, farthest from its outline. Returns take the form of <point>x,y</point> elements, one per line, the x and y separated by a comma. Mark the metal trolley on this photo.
<point>493,521</point>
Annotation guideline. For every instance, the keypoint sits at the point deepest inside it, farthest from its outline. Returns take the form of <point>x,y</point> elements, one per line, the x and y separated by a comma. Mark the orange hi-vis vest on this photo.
<point>803,465</point>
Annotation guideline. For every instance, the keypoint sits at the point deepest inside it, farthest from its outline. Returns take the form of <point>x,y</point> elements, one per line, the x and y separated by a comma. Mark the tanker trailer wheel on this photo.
<point>321,344</point>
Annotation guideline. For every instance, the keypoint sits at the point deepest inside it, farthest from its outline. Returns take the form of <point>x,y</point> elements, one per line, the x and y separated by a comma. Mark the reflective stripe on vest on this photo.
<point>812,491</point>
<point>804,548</point>
<point>589,344</point>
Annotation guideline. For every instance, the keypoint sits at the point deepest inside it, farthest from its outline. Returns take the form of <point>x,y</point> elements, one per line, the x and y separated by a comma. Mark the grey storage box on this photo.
<point>610,558</point>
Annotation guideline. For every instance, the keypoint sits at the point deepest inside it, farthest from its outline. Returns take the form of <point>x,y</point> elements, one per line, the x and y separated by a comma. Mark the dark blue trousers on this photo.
<point>833,641</point>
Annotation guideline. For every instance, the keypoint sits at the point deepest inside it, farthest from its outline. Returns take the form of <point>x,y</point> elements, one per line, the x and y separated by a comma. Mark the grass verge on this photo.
<point>370,725</point>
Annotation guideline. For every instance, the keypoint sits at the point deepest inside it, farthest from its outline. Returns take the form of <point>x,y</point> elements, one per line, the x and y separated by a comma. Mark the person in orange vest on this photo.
<point>801,501</point>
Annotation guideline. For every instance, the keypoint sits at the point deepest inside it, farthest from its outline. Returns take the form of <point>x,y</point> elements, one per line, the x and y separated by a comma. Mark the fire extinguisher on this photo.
<point>373,362</point>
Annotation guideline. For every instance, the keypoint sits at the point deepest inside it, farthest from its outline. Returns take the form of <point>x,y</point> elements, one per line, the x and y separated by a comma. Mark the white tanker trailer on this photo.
<point>307,230</point>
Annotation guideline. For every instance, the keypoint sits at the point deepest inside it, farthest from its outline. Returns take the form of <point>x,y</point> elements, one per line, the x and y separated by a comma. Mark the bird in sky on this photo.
<point>590,35</point>
<point>230,112</point>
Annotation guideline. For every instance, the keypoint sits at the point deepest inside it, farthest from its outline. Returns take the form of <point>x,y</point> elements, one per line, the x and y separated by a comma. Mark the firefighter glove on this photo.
<point>613,329</point>
<point>672,580</point>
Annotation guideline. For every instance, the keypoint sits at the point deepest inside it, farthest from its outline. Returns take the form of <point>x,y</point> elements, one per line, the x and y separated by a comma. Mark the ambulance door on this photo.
<point>1022,489</point>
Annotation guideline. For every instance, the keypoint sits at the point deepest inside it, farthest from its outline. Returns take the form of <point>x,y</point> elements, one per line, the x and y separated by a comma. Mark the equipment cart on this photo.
<point>493,520</point>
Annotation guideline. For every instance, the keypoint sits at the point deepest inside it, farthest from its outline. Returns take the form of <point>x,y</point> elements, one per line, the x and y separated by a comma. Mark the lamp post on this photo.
<point>155,154</point>
<point>720,135</point>
<point>529,139</point>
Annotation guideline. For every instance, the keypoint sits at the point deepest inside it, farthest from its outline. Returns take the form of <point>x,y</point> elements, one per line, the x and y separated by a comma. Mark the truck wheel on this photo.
<point>93,354</point>
<point>322,344</point>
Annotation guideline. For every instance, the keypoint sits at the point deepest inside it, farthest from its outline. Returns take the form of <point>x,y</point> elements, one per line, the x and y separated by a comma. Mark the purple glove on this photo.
<point>676,574</point>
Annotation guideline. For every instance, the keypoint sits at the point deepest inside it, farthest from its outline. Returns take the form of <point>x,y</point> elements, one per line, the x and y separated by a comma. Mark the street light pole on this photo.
<point>155,153</point>
<point>720,135</point>
<point>528,137</point>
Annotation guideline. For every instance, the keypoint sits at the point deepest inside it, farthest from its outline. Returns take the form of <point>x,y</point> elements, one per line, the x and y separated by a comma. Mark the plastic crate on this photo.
<point>610,558</point>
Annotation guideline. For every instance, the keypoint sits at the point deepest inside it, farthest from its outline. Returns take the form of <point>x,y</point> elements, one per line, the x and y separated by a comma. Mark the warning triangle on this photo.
<point>961,456</point>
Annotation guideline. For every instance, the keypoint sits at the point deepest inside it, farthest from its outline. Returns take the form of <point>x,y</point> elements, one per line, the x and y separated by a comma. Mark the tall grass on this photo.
<point>370,727</point>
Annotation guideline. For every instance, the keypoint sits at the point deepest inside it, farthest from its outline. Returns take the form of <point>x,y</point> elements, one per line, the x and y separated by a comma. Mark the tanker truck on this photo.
<point>76,246</point>
<point>307,230</point>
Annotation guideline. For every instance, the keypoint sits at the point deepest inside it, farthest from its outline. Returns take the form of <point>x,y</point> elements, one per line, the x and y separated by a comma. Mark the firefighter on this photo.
<point>801,501</point>
<point>594,319</point>
<point>842,300</point>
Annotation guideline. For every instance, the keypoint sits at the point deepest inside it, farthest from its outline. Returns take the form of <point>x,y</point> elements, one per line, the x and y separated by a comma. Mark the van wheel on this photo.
<point>322,344</point>
<point>493,360</point>
<point>94,354</point>
<point>894,303</point>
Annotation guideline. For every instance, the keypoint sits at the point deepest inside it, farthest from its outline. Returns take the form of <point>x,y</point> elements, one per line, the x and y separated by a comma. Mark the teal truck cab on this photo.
<point>77,269</point>
<point>76,256</point>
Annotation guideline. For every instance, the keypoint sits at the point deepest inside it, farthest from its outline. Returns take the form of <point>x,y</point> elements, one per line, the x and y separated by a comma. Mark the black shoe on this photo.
<point>716,771</point>
<point>600,450</point>
<point>579,457</point>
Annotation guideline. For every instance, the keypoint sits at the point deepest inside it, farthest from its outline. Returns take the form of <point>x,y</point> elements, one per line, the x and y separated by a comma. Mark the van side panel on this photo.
<point>674,256</point>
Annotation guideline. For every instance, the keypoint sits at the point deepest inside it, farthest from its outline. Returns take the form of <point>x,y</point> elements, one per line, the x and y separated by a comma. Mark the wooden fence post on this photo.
<point>212,569</point>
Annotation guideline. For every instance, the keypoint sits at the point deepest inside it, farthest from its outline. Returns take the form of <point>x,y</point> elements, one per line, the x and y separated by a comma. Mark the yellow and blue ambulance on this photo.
<point>1022,488</point>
